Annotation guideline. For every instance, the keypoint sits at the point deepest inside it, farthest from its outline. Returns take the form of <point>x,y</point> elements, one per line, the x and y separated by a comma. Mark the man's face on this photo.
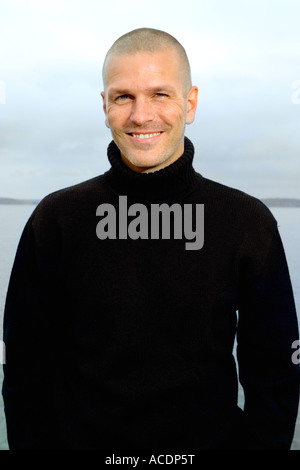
<point>147,107</point>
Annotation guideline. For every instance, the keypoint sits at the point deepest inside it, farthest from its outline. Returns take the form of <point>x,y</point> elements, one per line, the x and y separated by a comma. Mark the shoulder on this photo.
<point>68,206</point>
<point>77,192</point>
<point>235,207</point>
<point>75,195</point>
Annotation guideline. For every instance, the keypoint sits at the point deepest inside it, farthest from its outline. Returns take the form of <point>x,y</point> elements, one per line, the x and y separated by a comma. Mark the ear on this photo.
<point>105,109</point>
<point>192,98</point>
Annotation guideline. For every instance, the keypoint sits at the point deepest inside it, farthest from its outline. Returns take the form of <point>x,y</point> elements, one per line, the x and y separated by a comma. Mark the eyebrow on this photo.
<point>156,89</point>
<point>162,88</point>
<point>118,91</point>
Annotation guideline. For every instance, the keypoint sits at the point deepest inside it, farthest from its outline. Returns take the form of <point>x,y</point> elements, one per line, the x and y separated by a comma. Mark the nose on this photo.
<point>141,111</point>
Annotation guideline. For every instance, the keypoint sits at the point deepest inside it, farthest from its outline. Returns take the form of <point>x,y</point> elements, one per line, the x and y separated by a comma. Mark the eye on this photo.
<point>161,95</point>
<point>122,97</point>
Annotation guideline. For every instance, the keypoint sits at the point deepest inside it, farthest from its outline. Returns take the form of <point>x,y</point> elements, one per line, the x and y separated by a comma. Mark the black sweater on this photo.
<point>127,343</point>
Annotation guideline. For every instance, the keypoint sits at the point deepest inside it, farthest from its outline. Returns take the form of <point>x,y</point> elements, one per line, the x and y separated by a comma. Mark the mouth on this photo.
<point>145,137</point>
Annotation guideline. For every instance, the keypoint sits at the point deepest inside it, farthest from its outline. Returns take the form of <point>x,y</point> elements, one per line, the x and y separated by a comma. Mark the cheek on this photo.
<point>117,117</point>
<point>172,114</point>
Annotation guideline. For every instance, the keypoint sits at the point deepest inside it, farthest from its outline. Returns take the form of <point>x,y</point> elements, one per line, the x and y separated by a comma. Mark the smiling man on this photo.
<point>148,100</point>
<point>118,337</point>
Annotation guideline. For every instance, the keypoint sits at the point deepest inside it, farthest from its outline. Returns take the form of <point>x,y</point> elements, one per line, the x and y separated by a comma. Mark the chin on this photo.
<point>146,163</point>
<point>143,161</point>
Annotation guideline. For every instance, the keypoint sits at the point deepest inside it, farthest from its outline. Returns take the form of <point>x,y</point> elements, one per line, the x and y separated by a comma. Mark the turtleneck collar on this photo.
<point>166,185</point>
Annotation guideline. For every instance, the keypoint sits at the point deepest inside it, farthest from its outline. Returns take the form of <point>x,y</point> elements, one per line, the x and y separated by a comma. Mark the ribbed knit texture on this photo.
<point>166,185</point>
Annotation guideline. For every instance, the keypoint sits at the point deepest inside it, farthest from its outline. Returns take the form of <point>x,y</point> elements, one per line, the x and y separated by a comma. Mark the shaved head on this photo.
<point>148,98</point>
<point>150,41</point>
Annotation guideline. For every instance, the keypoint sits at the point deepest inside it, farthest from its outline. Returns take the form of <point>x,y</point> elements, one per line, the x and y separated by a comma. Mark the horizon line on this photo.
<point>268,201</point>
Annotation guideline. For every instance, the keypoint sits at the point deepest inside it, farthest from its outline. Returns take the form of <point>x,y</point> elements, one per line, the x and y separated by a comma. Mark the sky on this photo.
<point>245,59</point>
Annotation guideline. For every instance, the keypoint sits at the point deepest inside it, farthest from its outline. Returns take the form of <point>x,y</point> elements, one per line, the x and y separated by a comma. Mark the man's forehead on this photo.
<point>149,55</point>
<point>158,66</point>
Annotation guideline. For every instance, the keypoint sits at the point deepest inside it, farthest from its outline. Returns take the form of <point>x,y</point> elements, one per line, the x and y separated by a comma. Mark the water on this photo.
<point>12,221</point>
<point>14,217</point>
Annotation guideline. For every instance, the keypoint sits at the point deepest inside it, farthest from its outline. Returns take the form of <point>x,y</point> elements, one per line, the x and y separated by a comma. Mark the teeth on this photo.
<point>146,136</point>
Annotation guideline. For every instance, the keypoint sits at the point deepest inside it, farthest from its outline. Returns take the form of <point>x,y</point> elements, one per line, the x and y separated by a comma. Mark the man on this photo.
<point>121,315</point>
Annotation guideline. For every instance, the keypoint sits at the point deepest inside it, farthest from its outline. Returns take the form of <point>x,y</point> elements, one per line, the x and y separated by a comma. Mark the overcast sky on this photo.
<point>245,59</point>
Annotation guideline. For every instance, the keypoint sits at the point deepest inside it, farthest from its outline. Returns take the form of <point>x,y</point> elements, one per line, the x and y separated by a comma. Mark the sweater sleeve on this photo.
<point>29,340</point>
<point>267,329</point>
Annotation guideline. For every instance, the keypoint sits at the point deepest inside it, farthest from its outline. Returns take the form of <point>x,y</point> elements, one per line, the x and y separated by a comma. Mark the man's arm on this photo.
<point>28,337</point>
<point>266,331</point>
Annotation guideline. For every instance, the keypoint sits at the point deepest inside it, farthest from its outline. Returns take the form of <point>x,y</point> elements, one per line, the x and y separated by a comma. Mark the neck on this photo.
<point>160,166</point>
<point>167,184</point>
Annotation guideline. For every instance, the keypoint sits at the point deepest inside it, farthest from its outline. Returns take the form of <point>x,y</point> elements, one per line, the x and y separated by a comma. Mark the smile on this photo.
<point>145,136</point>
